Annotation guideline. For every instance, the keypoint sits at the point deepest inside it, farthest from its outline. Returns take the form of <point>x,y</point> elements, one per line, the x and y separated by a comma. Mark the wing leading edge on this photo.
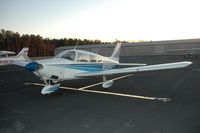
<point>137,69</point>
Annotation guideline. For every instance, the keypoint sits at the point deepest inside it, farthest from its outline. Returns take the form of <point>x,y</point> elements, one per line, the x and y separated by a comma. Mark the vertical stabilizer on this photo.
<point>21,54</point>
<point>116,53</point>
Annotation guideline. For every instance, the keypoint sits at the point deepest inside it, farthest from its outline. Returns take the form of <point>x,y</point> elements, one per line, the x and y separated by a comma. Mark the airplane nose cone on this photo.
<point>33,66</point>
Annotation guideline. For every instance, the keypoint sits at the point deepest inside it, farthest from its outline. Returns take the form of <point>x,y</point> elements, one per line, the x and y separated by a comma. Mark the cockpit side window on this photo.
<point>99,60</point>
<point>93,58</point>
<point>82,57</point>
<point>70,55</point>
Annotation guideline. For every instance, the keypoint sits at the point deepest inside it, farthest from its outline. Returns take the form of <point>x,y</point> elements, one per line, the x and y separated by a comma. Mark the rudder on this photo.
<point>116,53</point>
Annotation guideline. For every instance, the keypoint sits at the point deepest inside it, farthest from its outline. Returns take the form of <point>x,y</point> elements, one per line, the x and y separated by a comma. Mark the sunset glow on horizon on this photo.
<point>103,20</point>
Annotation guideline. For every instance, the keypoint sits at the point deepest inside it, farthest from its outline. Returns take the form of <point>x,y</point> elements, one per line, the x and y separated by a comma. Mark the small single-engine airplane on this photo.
<point>76,64</point>
<point>5,59</point>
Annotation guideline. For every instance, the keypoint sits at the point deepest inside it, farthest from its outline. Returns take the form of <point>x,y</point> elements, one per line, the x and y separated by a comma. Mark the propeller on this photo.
<point>34,66</point>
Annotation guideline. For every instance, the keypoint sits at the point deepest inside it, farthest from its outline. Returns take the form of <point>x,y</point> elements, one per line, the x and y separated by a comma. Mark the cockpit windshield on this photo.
<point>70,55</point>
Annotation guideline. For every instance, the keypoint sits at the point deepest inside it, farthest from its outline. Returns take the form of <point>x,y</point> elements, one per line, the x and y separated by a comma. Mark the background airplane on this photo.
<point>189,53</point>
<point>76,64</point>
<point>5,59</point>
<point>6,53</point>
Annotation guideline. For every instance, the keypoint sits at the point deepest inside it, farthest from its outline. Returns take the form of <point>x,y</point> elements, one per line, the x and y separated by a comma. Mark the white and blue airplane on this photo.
<point>75,64</point>
<point>5,59</point>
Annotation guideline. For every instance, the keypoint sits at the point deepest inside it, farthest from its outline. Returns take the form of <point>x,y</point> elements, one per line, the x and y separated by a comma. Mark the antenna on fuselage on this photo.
<point>76,45</point>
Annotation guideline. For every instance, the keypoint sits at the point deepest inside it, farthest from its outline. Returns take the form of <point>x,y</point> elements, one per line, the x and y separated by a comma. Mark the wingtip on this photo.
<point>189,62</point>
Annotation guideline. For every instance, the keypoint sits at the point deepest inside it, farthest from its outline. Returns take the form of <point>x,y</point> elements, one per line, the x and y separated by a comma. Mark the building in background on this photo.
<point>170,47</point>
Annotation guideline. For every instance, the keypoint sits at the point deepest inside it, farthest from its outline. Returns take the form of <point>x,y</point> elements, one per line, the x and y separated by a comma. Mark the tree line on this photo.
<point>38,46</point>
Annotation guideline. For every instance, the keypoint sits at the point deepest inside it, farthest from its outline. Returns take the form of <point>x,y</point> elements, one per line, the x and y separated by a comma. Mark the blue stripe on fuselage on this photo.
<point>85,67</point>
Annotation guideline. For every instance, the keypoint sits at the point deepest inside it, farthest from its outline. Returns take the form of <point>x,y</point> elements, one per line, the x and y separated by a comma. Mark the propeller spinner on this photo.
<point>33,66</point>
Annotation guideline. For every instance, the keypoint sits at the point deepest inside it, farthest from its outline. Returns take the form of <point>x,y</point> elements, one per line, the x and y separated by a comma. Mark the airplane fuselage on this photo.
<point>63,69</point>
<point>66,66</point>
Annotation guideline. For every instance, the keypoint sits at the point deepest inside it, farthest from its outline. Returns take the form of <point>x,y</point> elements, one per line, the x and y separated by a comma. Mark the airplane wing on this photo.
<point>136,69</point>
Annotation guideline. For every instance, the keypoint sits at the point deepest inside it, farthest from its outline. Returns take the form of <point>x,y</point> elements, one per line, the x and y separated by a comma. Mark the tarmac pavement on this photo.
<point>24,110</point>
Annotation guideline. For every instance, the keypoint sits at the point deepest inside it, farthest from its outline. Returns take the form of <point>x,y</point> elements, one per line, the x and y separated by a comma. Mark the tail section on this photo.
<point>21,59</point>
<point>116,53</point>
<point>21,54</point>
<point>23,51</point>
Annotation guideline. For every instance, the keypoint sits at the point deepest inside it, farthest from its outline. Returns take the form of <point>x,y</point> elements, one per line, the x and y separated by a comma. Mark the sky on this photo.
<point>106,20</point>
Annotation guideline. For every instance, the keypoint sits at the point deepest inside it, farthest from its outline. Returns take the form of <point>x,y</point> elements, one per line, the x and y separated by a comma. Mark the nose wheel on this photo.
<point>50,82</point>
<point>49,89</point>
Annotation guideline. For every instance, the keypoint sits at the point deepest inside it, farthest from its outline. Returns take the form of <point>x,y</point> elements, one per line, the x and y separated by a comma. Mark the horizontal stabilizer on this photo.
<point>20,63</point>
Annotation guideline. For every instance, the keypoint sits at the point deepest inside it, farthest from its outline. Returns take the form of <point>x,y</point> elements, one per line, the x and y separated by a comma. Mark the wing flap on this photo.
<point>132,64</point>
<point>136,69</point>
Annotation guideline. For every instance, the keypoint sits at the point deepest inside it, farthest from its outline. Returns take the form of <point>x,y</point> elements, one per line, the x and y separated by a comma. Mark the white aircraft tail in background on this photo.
<point>20,55</point>
<point>188,52</point>
<point>7,60</point>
